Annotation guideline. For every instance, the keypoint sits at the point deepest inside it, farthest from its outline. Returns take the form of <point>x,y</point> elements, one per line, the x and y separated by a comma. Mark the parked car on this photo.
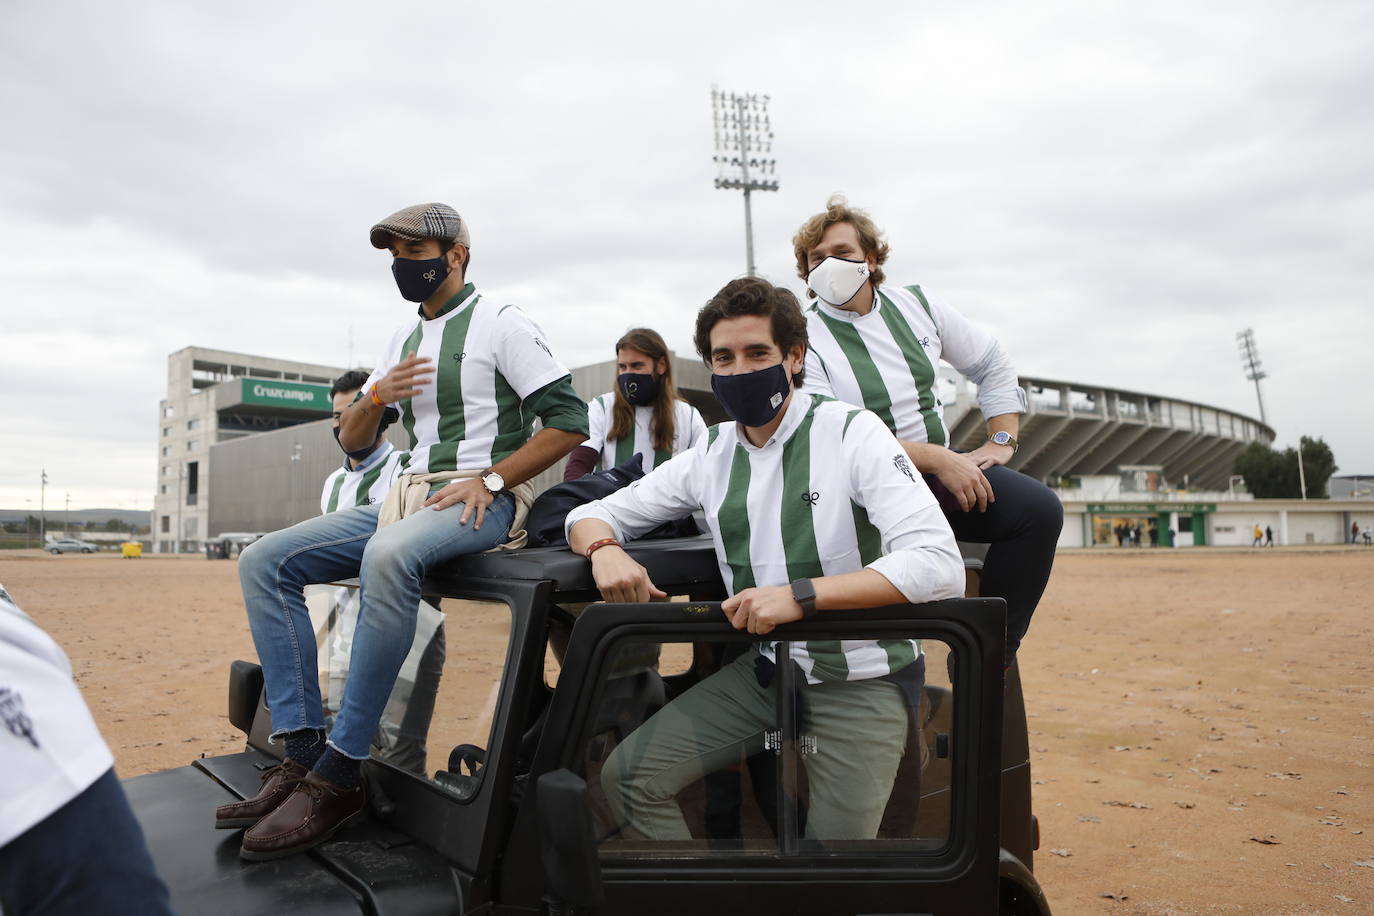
<point>520,824</point>
<point>70,545</point>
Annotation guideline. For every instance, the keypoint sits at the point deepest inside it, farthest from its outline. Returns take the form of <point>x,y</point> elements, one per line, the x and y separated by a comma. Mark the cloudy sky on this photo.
<point>1114,189</point>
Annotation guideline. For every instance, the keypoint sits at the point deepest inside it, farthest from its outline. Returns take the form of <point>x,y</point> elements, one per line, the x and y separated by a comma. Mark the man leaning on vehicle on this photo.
<point>812,505</point>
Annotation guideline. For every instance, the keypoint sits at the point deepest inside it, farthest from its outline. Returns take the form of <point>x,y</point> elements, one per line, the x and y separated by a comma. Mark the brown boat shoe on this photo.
<point>276,785</point>
<point>311,814</point>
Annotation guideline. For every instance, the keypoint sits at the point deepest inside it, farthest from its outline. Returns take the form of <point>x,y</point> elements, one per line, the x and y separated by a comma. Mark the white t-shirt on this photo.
<point>50,748</point>
<point>688,429</point>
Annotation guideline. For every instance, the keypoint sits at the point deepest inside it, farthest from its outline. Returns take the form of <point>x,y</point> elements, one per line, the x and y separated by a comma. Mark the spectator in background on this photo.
<point>643,415</point>
<point>1268,536</point>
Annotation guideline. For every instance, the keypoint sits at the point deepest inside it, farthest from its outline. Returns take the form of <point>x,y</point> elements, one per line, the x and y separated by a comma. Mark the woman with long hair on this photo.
<point>642,416</point>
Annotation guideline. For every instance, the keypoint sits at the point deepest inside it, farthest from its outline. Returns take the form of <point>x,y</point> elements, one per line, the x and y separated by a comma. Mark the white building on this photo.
<point>213,396</point>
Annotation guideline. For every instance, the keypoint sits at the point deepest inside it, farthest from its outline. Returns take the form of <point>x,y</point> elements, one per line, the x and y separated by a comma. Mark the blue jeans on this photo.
<point>390,565</point>
<point>87,858</point>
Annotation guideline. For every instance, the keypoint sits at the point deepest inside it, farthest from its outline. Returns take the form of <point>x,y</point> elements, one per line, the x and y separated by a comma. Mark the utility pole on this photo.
<point>744,133</point>
<point>67,517</point>
<point>42,510</point>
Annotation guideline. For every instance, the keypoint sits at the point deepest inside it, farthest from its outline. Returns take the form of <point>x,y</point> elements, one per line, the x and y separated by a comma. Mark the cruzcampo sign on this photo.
<point>295,395</point>
<point>1148,508</point>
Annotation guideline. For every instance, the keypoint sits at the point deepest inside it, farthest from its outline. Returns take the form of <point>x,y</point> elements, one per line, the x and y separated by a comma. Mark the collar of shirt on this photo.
<point>371,461</point>
<point>460,298</point>
<point>825,308</point>
<point>797,407</point>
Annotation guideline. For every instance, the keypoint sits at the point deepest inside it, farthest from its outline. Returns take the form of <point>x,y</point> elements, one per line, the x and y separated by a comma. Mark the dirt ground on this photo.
<point>1202,721</point>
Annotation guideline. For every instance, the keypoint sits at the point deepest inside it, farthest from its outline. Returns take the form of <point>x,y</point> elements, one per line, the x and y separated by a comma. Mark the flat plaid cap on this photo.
<point>422,221</point>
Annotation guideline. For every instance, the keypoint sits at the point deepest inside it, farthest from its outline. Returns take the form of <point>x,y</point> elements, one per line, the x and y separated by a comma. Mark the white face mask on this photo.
<point>836,280</point>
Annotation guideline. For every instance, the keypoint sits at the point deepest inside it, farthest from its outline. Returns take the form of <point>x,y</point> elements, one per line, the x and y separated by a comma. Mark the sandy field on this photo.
<point>1202,721</point>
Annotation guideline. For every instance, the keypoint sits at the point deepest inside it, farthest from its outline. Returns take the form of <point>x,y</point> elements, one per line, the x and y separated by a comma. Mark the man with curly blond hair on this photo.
<point>877,346</point>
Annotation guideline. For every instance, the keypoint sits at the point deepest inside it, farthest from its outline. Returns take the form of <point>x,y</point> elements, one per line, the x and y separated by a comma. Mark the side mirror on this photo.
<point>567,842</point>
<point>245,686</point>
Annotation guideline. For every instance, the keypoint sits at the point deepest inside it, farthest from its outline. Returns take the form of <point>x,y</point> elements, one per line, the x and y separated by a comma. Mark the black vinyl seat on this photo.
<point>682,563</point>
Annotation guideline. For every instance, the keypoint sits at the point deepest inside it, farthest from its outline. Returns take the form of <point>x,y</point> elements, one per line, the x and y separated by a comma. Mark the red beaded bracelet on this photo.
<point>594,546</point>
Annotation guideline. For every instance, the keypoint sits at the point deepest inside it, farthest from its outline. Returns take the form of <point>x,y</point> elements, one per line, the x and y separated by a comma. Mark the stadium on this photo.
<point>244,444</point>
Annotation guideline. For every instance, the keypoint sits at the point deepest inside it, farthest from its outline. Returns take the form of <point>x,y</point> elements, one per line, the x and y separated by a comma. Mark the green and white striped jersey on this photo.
<point>486,358</point>
<point>886,361</point>
<point>832,492</point>
<point>689,429</point>
<point>365,485</point>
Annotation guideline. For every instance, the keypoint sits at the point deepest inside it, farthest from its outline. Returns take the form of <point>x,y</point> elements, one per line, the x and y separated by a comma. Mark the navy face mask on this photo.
<point>639,388</point>
<point>360,454</point>
<point>752,398</point>
<point>417,280</point>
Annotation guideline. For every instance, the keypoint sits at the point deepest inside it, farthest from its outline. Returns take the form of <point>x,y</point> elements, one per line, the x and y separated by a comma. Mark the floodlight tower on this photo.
<point>744,136</point>
<point>1249,359</point>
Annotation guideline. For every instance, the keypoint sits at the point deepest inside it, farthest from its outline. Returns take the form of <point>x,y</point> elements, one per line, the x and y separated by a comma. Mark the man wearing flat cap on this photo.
<point>468,375</point>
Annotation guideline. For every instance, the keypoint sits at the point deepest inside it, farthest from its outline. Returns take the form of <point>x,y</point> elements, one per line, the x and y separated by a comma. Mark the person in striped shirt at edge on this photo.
<point>877,346</point>
<point>363,480</point>
<point>643,415</point>
<point>812,505</point>
<point>468,375</point>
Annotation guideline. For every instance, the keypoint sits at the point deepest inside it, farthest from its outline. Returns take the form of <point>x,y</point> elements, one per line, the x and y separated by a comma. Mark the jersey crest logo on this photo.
<point>925,343</point>
<point>459,357</point>
<point>16,719</point>
<point>900,462</point>
<point>811,498</point>
<point>545,347</point>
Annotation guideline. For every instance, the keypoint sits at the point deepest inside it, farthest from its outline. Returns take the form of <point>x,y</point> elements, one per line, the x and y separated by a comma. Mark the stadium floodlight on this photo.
<point>744,140</point>
<point>1249,359</point>
<point>1254,371</point>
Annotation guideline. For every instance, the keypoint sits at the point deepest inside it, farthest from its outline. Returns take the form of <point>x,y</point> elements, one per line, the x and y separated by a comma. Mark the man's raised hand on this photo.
<point>406,379</point>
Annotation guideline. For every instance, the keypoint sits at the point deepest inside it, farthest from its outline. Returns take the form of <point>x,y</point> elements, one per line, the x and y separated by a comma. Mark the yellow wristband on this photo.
<point>372,393</point>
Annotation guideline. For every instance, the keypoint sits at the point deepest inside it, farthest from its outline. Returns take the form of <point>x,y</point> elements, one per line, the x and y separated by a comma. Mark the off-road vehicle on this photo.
<point>515,819</point>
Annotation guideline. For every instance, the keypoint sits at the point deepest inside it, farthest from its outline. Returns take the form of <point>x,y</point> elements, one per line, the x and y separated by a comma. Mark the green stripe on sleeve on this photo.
<point>870,539</point>
<point>334,495</point>
<point>871,388</point>
<point>798,525</point>
<point>733,519</point>
<point>411,345</point>
<point>711,436</point>
<point>922,372</point>
<point>448,392</point>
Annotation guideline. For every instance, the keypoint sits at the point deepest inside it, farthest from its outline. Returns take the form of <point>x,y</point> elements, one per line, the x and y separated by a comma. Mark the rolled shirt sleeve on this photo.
<point>977,355</point>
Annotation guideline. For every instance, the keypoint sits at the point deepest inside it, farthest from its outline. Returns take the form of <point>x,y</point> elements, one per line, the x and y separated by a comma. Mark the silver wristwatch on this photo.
<point>1002,437</point>
<point>494,482</point>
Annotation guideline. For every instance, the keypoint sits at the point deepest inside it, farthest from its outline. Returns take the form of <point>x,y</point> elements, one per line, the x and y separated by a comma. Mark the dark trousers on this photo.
<point>1021,528</point>
<point>87,858</point>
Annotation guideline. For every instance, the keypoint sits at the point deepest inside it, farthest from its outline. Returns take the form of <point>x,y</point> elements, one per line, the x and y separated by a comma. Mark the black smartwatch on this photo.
<point>804,593</point>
